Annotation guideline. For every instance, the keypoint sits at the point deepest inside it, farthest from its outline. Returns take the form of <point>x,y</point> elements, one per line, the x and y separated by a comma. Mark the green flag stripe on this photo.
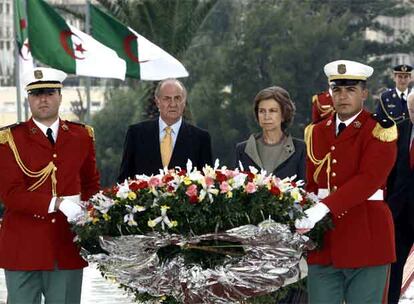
<point>118,37</point>
<point>20,22</point>
<point>47,43</point>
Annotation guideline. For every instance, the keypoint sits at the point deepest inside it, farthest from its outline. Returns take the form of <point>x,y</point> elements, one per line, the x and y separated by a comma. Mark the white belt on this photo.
<point>377,196</point>
<point>74,198</point>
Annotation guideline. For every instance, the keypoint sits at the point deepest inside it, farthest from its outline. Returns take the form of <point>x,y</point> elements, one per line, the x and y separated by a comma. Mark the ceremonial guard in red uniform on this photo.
<point>47,166</point>
<point>350,155</point>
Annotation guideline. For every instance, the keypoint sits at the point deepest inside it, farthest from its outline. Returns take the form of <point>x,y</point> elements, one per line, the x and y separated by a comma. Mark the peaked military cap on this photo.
<point>346,72</point>
<point>43,78</point>
<point>402,69</point>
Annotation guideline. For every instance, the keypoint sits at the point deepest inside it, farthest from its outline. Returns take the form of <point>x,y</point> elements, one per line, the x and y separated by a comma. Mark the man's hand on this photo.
<point>313,215</point>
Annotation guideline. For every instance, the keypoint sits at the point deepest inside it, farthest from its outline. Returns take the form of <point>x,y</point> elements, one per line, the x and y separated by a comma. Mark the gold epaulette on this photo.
<point>319,163</point>
<point>314,98</point>
<point>91,132</point>
<point>88,128</point>
<point>6,136</point>
<point>385,134</point>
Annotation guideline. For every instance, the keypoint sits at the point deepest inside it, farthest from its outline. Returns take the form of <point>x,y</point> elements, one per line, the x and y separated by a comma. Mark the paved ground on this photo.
<point>98,290</point>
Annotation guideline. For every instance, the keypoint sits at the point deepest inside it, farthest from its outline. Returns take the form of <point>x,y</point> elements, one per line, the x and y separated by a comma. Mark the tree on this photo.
<point>122,109</point>
<point>277,42</point>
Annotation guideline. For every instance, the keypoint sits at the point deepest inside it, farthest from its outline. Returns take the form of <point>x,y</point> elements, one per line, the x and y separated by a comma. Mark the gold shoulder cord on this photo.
<point>319,163</point>
<point>386,112</point>
<point>7,137</point>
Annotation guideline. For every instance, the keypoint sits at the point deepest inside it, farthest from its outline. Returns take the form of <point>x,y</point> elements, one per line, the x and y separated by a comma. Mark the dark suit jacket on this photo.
<point>142,149</point>
<point>400,185</point>
<point>393,106</point>
<point>294,157</point>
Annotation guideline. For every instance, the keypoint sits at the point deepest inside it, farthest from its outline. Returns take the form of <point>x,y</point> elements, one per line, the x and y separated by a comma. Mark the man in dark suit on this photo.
<point>167,141</point>
<point>393,102</point>
<point>400,197</point>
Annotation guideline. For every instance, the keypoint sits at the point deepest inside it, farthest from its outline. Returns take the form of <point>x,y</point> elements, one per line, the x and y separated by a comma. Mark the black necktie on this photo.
<point>49,136</point>
<point>403,96</point>
<point>341,127</point>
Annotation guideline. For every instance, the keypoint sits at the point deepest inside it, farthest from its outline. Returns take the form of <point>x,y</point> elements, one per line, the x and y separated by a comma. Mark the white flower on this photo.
<point>102,203</point>
<point>163,219</point>
<point>189,166</point>
<point>241,166</point>
<point>238,180</point>
<point>253,170</point>
<point>123,190</point>
<point>216,164</point>
<point>129,219</point>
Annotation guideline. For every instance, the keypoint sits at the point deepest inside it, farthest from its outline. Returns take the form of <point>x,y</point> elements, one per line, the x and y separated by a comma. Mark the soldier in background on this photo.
<point>393,102</point>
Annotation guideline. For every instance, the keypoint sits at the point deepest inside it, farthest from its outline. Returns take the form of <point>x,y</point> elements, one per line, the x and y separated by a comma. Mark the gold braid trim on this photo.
<point>319,163</point>
<point>6,136</point>
<point>401,117</point>
<point>91,132</point>
<point>385,134</point>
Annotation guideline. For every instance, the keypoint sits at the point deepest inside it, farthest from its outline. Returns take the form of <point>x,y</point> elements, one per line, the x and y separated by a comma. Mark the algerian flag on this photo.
<point>25,56</point>
<point>64,47</point>
<point>144,59</point>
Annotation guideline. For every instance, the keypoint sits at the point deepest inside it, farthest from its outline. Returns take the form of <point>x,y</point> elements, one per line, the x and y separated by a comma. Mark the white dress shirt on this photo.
<point>55,129</point>
<point>174,129</point>
<point>43,128</point>
<point>346,122</point>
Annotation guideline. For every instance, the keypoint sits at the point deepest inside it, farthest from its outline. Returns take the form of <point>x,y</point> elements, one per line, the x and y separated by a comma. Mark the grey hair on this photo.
<point>161,83</point>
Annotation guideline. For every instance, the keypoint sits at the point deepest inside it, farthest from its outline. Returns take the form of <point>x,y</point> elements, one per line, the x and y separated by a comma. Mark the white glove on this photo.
<point>71,209</point>
<point>313,215</point>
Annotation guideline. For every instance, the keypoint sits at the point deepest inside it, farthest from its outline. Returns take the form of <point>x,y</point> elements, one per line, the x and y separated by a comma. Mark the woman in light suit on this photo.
<point>273,149</point>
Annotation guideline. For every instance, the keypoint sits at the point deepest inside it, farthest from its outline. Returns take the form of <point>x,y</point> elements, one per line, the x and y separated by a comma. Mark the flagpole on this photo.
<point>88,79</point>
<point>17,68</point>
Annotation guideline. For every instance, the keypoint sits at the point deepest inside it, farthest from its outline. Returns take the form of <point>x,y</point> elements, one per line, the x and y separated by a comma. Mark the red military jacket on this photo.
<point>358,163</point>
<point>30,237</point>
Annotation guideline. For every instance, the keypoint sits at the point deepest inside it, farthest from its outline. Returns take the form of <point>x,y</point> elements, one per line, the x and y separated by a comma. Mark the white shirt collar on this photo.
<point>399,92</point>
<point>174,127</point>
<point>43,128</point>
<point>346,122</point>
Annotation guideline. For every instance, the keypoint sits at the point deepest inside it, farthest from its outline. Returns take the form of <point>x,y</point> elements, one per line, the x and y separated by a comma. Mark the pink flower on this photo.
<point>224,187</point>
<point>154,182</point>
<point>209,181</point>
<point>231,173</point>
<point>191,190</point>
<point>250,187</point>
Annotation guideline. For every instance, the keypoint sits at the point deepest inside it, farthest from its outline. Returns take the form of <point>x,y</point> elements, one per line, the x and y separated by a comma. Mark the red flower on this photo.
<point>182,172</point>
<point>167,178</point>
<point>275,190</point>
<point>250,175</point>
<point>303,201</point>
<point>193,199</point>
<point>220,177</point>
<point>112,190</point>
<point>134,186</point>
